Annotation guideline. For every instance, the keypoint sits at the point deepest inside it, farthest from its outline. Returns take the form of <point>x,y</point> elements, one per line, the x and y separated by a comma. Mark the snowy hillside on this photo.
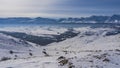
<point>39,31</point>
<point>10,45</point>
<point>89,48</point>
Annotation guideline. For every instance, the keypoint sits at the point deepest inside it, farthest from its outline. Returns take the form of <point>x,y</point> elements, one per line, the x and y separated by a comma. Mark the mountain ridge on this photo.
<point>92,19</point>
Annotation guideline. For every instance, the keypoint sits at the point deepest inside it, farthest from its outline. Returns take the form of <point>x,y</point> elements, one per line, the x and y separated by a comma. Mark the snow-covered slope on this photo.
<point>92,48</point>
<point>38,31</point>
<point>11,47</point>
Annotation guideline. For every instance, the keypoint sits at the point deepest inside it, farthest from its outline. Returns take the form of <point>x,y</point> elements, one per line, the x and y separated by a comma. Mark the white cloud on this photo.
<point>53,8</point>
<point>25,7</point>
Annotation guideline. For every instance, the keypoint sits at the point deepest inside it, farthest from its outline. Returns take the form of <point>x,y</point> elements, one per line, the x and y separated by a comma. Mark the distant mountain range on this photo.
<point>91,19</point>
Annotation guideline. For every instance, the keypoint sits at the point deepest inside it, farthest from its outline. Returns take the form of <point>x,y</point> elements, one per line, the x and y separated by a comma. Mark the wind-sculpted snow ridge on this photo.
<point>91,48</point>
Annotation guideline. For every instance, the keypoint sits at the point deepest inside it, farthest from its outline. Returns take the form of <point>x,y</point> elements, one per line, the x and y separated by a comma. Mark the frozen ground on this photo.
<point>91,48</point>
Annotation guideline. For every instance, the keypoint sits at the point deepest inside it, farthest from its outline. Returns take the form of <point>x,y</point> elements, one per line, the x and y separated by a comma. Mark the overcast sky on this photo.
<point>58,8</point>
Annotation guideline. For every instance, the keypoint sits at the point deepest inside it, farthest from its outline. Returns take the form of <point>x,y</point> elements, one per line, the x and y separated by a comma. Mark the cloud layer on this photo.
<point>58,8</point>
